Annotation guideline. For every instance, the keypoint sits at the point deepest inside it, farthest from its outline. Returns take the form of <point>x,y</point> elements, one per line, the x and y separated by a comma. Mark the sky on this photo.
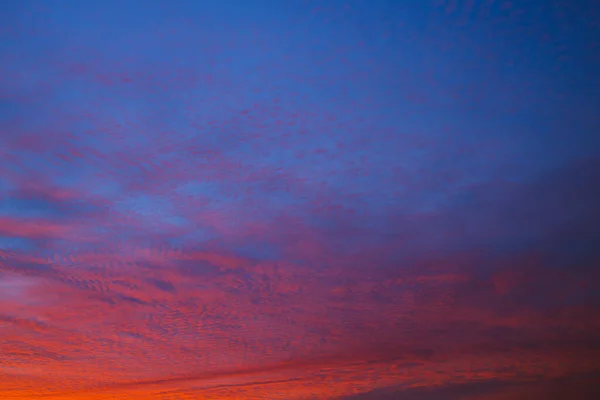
<point>299,199</point>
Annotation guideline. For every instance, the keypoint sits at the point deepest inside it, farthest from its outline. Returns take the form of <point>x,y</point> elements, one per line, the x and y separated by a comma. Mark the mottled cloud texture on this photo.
<point>299,199</point>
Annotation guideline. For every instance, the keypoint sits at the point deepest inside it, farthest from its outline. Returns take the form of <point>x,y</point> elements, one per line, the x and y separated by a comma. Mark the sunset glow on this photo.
<point>299,199</point>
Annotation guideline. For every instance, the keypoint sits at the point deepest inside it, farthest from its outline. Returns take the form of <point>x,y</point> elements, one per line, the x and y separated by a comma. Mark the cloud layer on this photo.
<point>299,200</point>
